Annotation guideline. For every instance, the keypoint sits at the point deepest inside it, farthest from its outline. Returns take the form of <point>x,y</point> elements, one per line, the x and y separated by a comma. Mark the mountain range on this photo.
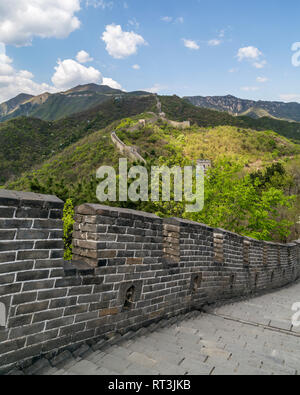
<point>51,107</point>
<point>250,108</point>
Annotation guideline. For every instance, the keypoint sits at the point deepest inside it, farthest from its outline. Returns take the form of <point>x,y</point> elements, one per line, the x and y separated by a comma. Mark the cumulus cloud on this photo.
<point>111,83</point>
<point>69,73</point>
<point>191,44</point>
<point>21,20</point>
<point>136,67</point>
<point>13,82</point>
<point>83,57</point>
<point>251,53</point>
<point>120,44</point>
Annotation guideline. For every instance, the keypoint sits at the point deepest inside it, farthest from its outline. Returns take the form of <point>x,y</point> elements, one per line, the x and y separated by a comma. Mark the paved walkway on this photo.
<point>253,337</point>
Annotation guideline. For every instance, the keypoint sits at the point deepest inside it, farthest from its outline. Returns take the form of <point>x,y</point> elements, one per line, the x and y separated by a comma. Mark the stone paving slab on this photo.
<point>254,338</point>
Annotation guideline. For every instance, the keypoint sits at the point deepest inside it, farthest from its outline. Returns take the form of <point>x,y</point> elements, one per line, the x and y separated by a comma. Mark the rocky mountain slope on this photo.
<point>51,107</point>
<point>254,109</point>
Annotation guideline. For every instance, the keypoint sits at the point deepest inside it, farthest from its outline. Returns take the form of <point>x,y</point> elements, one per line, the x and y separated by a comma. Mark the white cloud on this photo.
<point>260,65</point>
<point>120,44</point>
<point>21,20</point>
<point>249,88</point>
<point>290,97</point>
<point>167,19</point>
<point>156,88</point>
<point>179,20</point>
<point>251,53</point>
<point>134,23</point>
<point>233,70</point>
<point>83,57</point>
<point>69,73</point>
<point>6,68</point>
<point>13,82</point>
<point>136,67</point>
<point>191,44</point>
<point>99,4</point>
<point>262,79</point>
<point>214,42</point>
<point>222,33</point>
<point>111,83</point>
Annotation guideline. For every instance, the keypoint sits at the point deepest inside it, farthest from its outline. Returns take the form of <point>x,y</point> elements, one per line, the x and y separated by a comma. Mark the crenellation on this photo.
<point>129,270</point>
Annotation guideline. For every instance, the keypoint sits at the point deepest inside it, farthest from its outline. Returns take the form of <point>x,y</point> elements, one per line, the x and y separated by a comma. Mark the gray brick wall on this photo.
<point>130,269</point>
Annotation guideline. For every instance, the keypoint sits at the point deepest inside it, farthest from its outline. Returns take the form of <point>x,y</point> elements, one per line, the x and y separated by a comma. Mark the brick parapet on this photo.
<point>130,269</point>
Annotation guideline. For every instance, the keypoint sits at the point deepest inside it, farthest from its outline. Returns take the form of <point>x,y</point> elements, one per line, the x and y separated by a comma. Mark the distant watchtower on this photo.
<point>206,163</point>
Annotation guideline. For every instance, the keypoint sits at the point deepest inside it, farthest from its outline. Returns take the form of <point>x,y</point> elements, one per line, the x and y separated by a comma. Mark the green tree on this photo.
<point>236,202</point>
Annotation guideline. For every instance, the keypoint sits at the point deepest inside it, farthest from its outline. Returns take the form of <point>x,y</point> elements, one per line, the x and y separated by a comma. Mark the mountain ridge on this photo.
<point>55,106</point>
<point>256,109</point>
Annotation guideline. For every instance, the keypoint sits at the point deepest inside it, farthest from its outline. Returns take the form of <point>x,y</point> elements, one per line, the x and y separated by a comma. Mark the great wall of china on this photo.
<point>132,152</point>
<point>130,270</point>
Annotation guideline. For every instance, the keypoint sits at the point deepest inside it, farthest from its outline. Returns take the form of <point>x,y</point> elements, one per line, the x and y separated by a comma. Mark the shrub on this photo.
<point>68,220</point>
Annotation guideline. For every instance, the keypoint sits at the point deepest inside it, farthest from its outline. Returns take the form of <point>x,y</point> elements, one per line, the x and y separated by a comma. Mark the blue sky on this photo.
<point>183,47</point>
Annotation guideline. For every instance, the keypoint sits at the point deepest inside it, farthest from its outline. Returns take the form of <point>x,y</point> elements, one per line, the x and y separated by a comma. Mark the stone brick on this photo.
<point>27,330</point>
<point>7,234</point>
<point>15,224</point>
<point>24,297</point>
<point>32,254</point>
<point>107,254</point>
<point>7,212</point>
<point>10,289</point>
<point>31,213</point>
<point>112,311</point>
<point>32,234</point>
<point>56,214</point>
<point>53,324</point>
<point>47,224</point>
<point>63,302</point>
<point>35,285</point>
<point>49,245</point>
<point>56,254</point>
<point>134,261</point>
<point>52,294</point>
<point>33,275</point>
<point>84,290</point>
<point>48,315</point>
<point>78,309</point>
<point>15,245</point>
<point>7,257</point>
<point>32,307</point>
<point>7,279</point>
<point>42,337</point>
